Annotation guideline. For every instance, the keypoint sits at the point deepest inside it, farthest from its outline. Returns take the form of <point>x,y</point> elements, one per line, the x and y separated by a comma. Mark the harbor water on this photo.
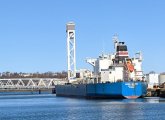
<point>50,107</point>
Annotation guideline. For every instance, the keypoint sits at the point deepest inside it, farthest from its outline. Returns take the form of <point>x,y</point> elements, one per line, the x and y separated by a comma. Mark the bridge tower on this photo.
<point>71,50</point>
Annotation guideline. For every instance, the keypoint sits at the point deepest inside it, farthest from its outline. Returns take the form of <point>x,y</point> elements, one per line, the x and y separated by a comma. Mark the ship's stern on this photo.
<point>133,90</point>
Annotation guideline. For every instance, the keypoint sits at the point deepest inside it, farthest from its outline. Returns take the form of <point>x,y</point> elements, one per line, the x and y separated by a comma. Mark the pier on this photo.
<point>156,92</point>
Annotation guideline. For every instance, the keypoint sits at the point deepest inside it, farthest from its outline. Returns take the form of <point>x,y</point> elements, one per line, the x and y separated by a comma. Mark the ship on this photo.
<point>114,75</point>
<point>117,90</point>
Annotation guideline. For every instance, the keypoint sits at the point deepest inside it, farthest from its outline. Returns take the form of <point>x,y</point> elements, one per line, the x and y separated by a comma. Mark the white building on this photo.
<point>152,79</point>
<point>162,78</point>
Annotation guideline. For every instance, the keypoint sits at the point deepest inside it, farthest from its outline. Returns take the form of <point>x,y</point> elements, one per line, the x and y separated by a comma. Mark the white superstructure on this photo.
<point>117,66</point>
<point>137,62</point>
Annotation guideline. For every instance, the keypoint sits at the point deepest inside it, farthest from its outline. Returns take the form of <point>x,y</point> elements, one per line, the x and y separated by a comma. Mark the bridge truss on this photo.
<point>30,83</point>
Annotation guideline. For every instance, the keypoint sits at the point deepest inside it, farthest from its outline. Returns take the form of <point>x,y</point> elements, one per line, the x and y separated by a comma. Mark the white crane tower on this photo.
<point>71,50</point>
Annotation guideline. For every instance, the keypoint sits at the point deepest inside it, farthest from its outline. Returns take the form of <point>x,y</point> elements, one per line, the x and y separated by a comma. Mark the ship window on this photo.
<point>121,48</point>
<point>111,68</point>
<point>77,75</point>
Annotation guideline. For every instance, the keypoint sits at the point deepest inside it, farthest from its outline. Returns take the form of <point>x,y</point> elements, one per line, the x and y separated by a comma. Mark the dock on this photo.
<point>156,92</point>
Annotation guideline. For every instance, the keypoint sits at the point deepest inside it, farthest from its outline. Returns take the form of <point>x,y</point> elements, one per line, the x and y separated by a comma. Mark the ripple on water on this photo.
<point>48,106</point>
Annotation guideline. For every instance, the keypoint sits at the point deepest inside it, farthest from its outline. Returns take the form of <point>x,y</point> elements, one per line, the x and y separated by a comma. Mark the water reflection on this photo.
<point>145,100</point>
<point>34,107</point>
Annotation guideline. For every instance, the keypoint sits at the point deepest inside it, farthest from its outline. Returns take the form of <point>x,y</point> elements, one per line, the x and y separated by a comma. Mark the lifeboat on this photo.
<point>129,65</point>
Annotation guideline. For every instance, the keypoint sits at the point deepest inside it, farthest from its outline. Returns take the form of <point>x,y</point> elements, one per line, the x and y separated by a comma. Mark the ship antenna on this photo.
<point>115,40</point>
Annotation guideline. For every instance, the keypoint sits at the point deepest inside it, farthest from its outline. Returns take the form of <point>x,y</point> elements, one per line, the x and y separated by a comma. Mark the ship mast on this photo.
<point>115,40</point>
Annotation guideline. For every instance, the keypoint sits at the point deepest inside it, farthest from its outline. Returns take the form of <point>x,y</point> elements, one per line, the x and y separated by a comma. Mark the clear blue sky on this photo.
<point>33,36</point>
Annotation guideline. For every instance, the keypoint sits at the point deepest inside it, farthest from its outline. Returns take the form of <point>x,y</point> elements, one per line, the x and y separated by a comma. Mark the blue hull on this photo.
<point>103,90</point>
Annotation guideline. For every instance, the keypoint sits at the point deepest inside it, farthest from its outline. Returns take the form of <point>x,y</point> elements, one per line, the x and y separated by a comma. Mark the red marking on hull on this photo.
<point>131,97</point>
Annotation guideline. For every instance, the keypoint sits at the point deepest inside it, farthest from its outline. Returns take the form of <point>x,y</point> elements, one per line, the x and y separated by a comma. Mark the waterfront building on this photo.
<point>152,79</point>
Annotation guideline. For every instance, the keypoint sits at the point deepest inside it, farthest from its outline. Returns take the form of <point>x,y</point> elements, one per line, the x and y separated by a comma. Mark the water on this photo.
<point>50,107</point>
